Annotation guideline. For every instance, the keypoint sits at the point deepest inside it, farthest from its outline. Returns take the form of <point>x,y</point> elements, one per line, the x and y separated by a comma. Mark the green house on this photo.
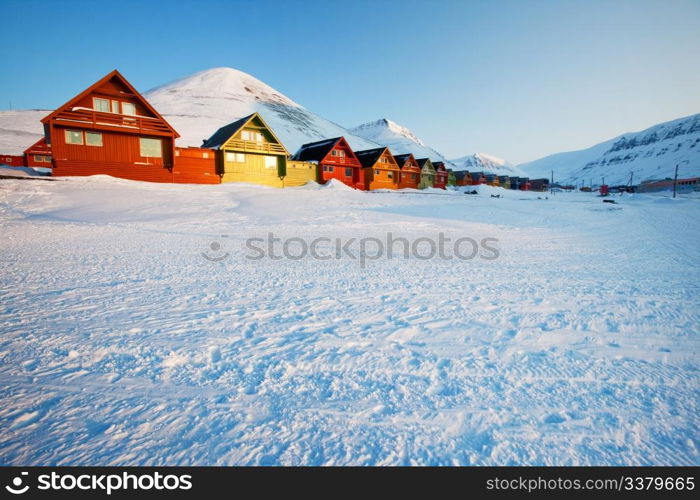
<point>427,173</point>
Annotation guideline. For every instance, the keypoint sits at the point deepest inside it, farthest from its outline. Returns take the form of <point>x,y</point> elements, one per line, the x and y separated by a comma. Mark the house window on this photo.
<point>235,157</point>
<point>391,175</point>
<point>42,158</point>
<point>74,137</point>
<point>270,162</point>
<point>341,153</point>
<point>205,155</point>
<point>376,172</point>
<point>151,148</point>
<point>100,104</point>
<point>245,135</point>
<point>330,168</point>
<point>258,137</point>
<point>348,172</point>
<point>93,138</point>
<point>129,108</point>
<point>334,153</point>
<point>115,107</point>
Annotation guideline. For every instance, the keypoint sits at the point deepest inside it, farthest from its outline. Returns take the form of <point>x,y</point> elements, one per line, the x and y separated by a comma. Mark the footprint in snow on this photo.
<point>554,418</point>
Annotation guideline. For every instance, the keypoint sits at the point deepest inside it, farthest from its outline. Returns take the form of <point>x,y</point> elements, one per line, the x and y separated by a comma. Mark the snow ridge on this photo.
<point>652,153</point>
<point>400,139</point>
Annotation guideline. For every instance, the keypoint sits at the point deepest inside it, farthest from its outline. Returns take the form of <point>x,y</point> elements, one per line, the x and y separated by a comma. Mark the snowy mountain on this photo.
<point>19,129</point>
<point>201,103</point>
<point>399,139</point>
<point>650,154</point>
<point>482,162</point>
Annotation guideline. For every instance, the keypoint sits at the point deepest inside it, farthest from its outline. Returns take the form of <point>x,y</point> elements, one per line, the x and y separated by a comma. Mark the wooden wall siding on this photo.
<point>385,175</point>
<point>116,148</point>
<point>151,173</point>
<point>12,160</point>
<point>195,166</point>
<point>252,170</point>
<point>300,173</point>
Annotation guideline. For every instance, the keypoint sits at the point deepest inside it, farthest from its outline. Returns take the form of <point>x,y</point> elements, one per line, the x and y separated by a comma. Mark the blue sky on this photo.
<point>518,79</point>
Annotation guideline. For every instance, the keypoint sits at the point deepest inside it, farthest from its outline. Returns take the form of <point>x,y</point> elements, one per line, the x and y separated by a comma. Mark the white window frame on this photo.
<point>270,162</point>
<point>258,137</point>
<point>115,107</point>
<point>94,134</point>
<point>141,144</point>
<point>130,105</point>
<point>245,135</point>
<point>95,100</point>
<point>68,135</point>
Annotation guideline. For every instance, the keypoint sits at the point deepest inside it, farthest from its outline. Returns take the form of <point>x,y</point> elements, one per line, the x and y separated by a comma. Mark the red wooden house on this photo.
<point>336,160</point>
<point>409,177</point>
<point>440,175</point>
<point>383,168</point>
<point>109,128</point>
<point>38,154</point>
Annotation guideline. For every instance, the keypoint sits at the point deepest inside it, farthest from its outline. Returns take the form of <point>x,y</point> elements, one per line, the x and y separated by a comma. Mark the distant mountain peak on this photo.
<point>488,163</point>
<point>400,139</point>
<point>199,104</point>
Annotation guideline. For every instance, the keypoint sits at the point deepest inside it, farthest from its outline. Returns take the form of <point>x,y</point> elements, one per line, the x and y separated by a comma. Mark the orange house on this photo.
<point>463,178</point>
<point>109,128</point>
<point>385,170</point>
<point>409,177</point>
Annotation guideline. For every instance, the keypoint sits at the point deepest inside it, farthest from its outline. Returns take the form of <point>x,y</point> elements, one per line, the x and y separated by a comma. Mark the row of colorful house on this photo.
<point>111,129</point>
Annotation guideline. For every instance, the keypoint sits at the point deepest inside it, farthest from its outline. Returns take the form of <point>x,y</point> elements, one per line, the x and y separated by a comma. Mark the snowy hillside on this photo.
<point>651,154</point>
<point>201,103</point>
<point>482,162</point>
<point>19,129</point>
<point>399,139</point>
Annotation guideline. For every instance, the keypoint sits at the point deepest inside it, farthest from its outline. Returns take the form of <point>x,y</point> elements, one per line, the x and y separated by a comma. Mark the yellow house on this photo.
<point>247,150</point>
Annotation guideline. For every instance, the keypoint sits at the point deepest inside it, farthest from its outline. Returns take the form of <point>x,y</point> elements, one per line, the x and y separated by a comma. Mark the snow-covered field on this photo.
<point>121,344</point>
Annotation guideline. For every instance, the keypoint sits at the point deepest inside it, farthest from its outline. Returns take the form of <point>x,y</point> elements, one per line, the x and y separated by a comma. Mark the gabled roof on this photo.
<point>225,133</point>
<point>114,74</point>
<point>402,159</point>
<point>368,157</point>
<point>423,161</point>
<point>460,174</point>
<point>316,151</point>
<point>41,146</point>
<point>438,164</point>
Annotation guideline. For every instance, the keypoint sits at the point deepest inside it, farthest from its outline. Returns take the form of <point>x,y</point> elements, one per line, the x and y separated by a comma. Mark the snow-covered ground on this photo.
<point>121,344</point>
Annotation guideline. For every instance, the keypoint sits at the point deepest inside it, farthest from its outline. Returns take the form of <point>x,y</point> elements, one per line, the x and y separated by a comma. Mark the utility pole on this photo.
<point>675,180</point>
<point>551,184</point>
<point>675,177</point>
